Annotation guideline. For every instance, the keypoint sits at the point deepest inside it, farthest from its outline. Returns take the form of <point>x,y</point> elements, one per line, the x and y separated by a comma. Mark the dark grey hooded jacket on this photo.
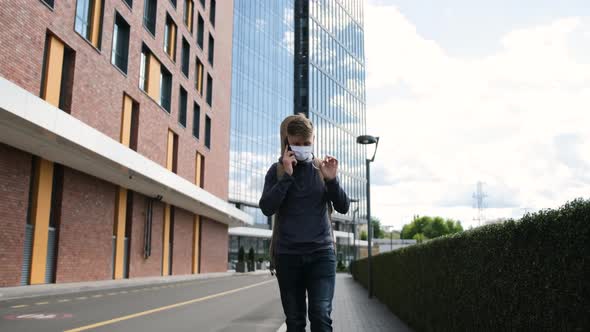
<point>301,202</point>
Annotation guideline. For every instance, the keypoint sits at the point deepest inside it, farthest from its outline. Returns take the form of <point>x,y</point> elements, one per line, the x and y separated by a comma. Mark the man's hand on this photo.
<point>329,168</point>
<point>289,160</point>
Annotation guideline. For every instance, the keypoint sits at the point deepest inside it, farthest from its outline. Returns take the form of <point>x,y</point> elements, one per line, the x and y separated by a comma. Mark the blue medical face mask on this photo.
<point>302,153</point>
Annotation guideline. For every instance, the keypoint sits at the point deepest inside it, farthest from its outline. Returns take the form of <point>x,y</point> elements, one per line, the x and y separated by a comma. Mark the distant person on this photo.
<point>300,190</point>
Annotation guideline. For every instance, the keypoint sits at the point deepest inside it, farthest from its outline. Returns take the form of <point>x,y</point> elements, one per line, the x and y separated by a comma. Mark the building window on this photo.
<point>129,3</point>
<point>211,49</point>
<point>143,69</point>
<point>155,79</point>
<point>182,107</point>
<point>202,3</point>
<point>199,71</point>
<point>200,31</point>
<point>208,132</point>
<point>188,14</point>
<point>49,3</point>
<point>170,38</point>
<point>173,2</point>
<point>209,90</point>
<point>89,20</point>
<point>186,52</point>
<point>165,89</point>
<point>120,52</point>
<point>149,15</point>
<point>196,120</point>
<point>212,12</point>
<point>58,73</point>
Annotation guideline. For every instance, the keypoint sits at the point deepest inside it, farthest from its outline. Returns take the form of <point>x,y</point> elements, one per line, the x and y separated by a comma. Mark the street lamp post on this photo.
<point>365,140</point>
<point>354,214</point>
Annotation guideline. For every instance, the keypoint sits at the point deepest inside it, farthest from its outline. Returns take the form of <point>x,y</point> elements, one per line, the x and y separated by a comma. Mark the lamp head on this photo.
<point>366,139</point>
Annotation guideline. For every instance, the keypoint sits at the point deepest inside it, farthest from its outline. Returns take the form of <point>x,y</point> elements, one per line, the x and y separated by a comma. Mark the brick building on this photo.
<point>114,139</point>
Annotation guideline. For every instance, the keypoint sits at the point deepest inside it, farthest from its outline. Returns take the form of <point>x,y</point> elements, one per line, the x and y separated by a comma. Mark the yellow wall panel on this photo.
<point>170,151</point>
<point>95,23</point>
<point>172,45</point>
<point>190,15</point>
<point>166,240</point>
<point>53,71</point>
<point>200,78</point>
<point>198,161</point>
<point>120,214</point>
<point>153,85</point>
<point>40,219</point>
<point>126,120</point>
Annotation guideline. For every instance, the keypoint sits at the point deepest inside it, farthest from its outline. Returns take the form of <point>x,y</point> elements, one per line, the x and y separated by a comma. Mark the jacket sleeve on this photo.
<point>274,191</point>
<point>337,196</point>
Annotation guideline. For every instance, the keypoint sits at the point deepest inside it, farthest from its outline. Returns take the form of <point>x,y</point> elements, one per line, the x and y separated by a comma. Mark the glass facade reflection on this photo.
<point>260,246</point>
<point>336,89</point>
<point>262,95</point>
<point>292,56</point>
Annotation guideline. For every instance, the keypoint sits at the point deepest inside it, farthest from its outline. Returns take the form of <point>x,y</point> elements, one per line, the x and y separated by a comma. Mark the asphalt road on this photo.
<point>236,303</point>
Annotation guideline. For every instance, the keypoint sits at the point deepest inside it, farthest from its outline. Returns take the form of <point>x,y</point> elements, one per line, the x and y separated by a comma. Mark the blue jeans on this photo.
<point>314,273</point>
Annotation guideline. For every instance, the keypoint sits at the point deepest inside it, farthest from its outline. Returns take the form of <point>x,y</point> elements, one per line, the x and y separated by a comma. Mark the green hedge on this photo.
<point>529,275</point>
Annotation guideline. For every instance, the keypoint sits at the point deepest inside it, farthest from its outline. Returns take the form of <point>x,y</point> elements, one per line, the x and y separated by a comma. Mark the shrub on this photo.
<point>241,254</point>
<point>251,255</point>
<point>531,275</point>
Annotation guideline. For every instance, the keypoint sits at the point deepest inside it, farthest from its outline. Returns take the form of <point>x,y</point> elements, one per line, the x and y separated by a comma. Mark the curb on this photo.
<point>32,291</point>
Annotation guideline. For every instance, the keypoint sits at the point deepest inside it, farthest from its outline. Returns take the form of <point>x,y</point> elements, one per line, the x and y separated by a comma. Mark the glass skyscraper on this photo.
<point>297,56</point>
<point>330,87</point>
<point>262,95</point>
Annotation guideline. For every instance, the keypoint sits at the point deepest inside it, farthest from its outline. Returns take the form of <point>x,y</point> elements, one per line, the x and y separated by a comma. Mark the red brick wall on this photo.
<point>183,242</point>
<point>217,160</point>
<point>15,169</point>
<point>152,266</point>
<point>97,100</point>
<point>86,229</point>
<point>99,85</point>
<point>214,242</point>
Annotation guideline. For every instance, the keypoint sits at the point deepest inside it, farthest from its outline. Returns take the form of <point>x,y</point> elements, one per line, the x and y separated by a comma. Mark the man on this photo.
<point>300,191</point>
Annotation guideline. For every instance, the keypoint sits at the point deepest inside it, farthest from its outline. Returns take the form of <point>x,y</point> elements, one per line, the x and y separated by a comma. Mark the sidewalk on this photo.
<point>21,292</point>
<point>353,311</point>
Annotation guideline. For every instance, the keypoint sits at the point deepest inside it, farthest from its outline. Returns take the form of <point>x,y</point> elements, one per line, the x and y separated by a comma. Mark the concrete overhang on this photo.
<point>251,232</point>
<point>30,124</point>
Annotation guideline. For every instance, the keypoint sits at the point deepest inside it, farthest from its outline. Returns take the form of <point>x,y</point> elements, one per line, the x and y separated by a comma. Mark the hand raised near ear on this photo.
<point>329,167</point>
<point>289,160</point>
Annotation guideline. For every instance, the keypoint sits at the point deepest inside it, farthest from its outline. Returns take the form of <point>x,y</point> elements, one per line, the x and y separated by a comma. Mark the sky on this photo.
<point>463,91</point>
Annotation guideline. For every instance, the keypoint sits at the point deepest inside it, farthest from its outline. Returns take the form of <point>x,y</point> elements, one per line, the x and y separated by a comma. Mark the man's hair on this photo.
<point>300,126</point>
<point>295,125</point>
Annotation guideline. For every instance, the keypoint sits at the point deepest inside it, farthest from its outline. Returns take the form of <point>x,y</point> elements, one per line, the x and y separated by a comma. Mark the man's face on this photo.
<point>301,141</point>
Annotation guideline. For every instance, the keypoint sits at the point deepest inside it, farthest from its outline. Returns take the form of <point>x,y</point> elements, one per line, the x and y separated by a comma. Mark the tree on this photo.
<point>435,228</point>
<point>454,226</point>
<point>251,259</point>
<point>422,228</point>
<point>241,254</point>
<point>419,237</point>
<point>377,230</point>
<point>251,255</point>
<point>364,236</point>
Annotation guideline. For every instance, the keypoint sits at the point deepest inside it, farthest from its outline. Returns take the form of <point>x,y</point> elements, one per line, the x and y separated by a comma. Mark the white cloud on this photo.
<point>500,119</point>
